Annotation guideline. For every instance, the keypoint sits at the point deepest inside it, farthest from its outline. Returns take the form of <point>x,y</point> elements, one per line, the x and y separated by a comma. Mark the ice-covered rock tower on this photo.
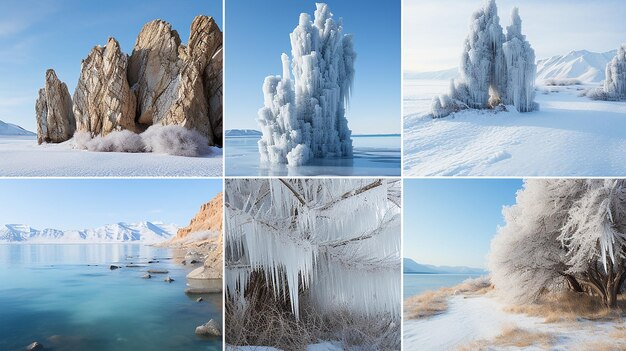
<point>520,67</point>
<point>615,83</point>
<point>494,68</point>
<point>304,115</point>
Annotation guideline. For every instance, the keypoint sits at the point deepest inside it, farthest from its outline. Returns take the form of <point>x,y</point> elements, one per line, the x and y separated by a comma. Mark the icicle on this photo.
<point>346,231</point>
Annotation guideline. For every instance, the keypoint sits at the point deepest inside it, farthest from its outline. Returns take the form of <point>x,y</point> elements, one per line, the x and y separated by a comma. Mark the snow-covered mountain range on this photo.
<point>411,266</point>
<point>142,232</point>
<point>584,65</point>
<point>13,129</point>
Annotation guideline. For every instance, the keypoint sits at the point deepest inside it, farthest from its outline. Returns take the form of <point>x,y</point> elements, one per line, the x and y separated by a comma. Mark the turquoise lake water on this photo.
<point>374,155</point>
<point>67,298</point>
<point>415,284</point>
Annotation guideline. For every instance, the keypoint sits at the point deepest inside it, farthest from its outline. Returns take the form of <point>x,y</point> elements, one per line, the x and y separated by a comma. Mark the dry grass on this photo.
<point>512,337</point>
<point>617,341</point>
<point>435,302</point>
<point>267,320</point>
<point>569,307</point>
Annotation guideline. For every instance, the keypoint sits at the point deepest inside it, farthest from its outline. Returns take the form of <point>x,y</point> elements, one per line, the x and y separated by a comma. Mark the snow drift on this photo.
<point>495,69</point>
<point>170,139</point>
<point>304,116</point>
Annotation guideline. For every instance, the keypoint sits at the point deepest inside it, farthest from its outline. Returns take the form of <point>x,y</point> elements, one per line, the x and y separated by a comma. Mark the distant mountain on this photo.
<point>13,129</point>
<point>445,74</point>
<point>234,133</point>
<point>583,65</point>
<point>411,266</point>
<point>143,232</point>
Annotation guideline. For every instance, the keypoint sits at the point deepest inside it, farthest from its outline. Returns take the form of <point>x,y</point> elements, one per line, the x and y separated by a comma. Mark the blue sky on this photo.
<point>257,33</point>
<point>39,34</point>
<point>452,221</point>
<point>434,30</point>
<point>88,203</point>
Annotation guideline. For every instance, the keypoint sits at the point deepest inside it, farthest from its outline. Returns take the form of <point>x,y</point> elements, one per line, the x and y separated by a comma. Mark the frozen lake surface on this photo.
<point>374,155</point>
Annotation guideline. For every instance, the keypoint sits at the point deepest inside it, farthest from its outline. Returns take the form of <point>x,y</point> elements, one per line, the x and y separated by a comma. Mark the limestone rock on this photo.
<point>178,84</point>
<point>152,70</point>
<point>209,218</point>
<point>211,328</point>
<point>35,346</point>
<point>103,101</point>
<point>55,120</point>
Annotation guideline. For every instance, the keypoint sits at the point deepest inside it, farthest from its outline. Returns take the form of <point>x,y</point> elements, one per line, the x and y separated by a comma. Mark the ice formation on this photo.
<point>337,241</point>
<point>304,116</point>
<point>615,82</point>
<point>495,69</point>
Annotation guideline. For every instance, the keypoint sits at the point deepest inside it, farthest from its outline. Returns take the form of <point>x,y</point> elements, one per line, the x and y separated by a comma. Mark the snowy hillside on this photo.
<point>12,129</point>
<point>446,74</point>
<point>411,266</point>
<point>239,133</point>
<point>143,232</point>
<point>583,65</point>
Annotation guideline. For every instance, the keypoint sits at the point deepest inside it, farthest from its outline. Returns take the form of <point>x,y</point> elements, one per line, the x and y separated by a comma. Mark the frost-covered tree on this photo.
<point>562,235</point>
<point>334,243</point>
<point>521,69</point>
<point>615,82</point>
<point>304,116</point>
<point>494,68</point>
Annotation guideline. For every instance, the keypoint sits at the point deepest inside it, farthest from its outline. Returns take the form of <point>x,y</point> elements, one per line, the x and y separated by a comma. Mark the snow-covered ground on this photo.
<point>482,318</point>
<point>569,136</point>
<point>21,156</point>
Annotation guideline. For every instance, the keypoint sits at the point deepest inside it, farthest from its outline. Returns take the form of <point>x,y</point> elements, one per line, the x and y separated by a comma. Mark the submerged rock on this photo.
<point>211,328</point>
<point>34,346</point>
<point>158,271</point>
<point>199,291</point>
<point>55,119</point>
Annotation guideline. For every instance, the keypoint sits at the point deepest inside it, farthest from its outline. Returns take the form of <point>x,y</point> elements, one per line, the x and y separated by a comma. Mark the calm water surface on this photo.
<point>373,156</point>
<point>415,284</point>
<point>67,298</point>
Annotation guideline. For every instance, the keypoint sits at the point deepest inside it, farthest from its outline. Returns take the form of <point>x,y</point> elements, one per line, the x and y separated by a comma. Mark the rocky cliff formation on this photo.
<point>163,82</point>
<point>203,236</point>
<point>55,120</point>
<point>103,101</point>
<point>209,218</point>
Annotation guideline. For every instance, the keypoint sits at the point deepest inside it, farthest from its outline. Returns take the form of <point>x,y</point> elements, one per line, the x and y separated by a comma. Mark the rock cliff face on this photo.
<point>55,120</point>
<point>163,82</point>
<point>178,84</point>
<point>209,218</point>
<point>103,101</point>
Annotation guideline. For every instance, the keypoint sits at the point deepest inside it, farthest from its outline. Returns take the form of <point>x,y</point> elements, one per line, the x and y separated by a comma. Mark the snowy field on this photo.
<point>568,136</point>
<point>21,156</point>
<point>373,156</point>
<point>483,318</point>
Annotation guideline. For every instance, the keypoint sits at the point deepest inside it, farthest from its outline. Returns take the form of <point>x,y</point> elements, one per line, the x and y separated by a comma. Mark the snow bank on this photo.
<point>171,139</point>
<point>304,117</point>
